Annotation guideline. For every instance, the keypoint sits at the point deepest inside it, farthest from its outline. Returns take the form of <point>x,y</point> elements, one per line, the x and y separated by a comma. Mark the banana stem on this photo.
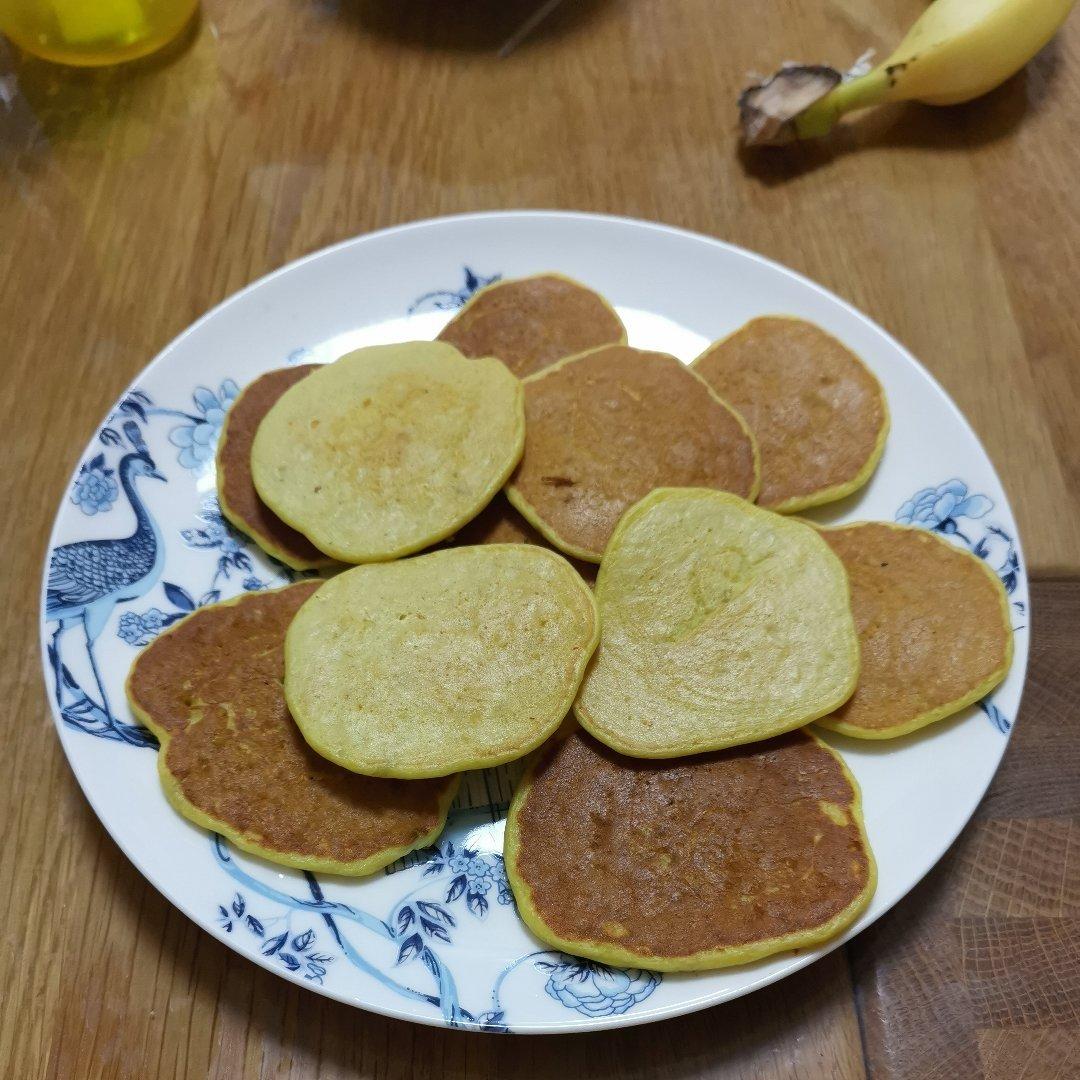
<point>869,89</point>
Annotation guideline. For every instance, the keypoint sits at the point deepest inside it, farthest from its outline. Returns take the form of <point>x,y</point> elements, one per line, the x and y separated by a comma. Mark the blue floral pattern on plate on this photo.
<point>449,299</point>
<point>947,509</point>
<point>139,630</point>
<point>197,439</point>
<point>472,875</point>
<point>294,951</point>
<point>96,488</point>
<point>596,989</point>
<point>418,925</point>
<point>939,507</point>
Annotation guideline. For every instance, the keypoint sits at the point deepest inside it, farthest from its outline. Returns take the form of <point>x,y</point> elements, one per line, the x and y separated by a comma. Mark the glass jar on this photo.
<point>93,32</point>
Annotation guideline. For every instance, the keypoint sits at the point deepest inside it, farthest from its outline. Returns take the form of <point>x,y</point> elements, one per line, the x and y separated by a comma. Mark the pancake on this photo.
<point>390,449</point>
<point>239,500</point>
<point>934,628</point>
<point>459,659</point>
<point>531,322</point>
<point>722,624</point>
<point>233,761</point>
<point>500,523</point>
<point>690,864</point>
<point>818,413</point>
<point>605,428</point>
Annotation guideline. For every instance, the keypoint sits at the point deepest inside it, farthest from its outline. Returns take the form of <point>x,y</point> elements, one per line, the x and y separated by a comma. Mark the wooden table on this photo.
<point>135,199</point>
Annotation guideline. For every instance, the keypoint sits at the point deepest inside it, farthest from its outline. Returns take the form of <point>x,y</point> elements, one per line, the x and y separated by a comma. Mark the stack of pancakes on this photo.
<point>560,543</point>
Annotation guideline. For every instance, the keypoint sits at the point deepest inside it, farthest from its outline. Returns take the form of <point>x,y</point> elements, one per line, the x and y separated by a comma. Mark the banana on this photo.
<point>955,51</point>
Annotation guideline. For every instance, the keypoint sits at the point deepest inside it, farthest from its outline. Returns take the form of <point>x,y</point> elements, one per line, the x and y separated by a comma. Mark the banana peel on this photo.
<point>955,51</point>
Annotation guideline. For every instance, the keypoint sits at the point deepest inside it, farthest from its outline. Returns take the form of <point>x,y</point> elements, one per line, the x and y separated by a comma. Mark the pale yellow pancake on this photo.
<point>722,623</point>
<point>390,449</point>
<point>690,864</point>
<point>237,496</point>
<point>233,761</point>
<point>459,659</point>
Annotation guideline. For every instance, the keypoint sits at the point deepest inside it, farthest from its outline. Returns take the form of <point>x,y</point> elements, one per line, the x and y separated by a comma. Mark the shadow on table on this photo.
<point>463,25</point>
<point>779,1028</point>
<point>772,1032</point>
<point>911,125</point>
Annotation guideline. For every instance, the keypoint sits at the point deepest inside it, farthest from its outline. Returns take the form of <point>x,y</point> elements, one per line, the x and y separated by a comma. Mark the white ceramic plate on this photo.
<point>437,940</point>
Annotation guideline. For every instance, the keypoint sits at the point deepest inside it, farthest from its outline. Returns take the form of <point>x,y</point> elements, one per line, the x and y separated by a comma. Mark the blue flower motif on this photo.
<point>198,439</point>
<point>480,879</point>
<point>138,629</point>
<point>938,508</point>
<point>96,489</point>
<point>215,531</point>
<point>596,989</point>
<point>459,864</point>
<point>473,875</point>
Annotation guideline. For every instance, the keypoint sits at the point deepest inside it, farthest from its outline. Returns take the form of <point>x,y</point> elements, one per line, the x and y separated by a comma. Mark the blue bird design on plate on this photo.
<point>87,579</point>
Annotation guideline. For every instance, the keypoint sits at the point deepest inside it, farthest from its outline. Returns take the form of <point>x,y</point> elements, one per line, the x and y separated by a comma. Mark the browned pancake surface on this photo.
<point>239,500</point>
<point>212,687</point>
<point>692,855</point>
<point>604,429</point>
<point>532,322</point>
<point>500,523</point>
<point>931,624</point>
<point>817,412</point>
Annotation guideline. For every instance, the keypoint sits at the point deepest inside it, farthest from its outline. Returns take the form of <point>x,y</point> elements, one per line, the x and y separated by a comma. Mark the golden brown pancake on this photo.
<point>531,322</point>
<point>933,623</point>
<point>720,624</point>
<point>460,659</point>
<point>237,496</point>
<point>605,428</point>
<point>233,761</point>
<point>817,412</point>
<point>500,523</point>
<point>694,863</point>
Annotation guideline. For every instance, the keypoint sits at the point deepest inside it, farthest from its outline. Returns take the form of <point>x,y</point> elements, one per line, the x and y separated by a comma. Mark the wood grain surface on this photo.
<point>134,199</point>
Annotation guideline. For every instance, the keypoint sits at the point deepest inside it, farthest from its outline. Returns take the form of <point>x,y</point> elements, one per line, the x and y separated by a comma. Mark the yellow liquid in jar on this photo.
<point>93,32</point>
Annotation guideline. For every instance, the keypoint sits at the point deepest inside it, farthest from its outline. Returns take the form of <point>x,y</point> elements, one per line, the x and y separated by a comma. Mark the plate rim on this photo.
<point>800,961</point>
